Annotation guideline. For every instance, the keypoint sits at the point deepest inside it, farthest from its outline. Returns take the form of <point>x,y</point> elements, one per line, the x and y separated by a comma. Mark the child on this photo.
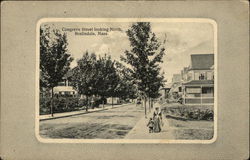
<point>151,125</point>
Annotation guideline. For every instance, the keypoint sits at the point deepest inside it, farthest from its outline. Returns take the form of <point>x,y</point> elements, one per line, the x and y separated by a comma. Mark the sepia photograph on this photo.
<point>126,80</point>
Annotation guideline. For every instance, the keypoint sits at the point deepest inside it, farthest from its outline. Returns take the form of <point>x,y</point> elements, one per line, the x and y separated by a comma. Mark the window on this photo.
<point>180,89</point>
<point>193,90</point>
<point>189,76</point>
<point>196,76</point>
<point>207,92</point>
<point>209,76</point>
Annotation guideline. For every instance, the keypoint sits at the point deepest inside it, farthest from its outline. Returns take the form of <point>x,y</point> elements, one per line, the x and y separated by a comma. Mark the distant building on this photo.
<point>184,74</point>
<point>176,90</point>
<point>176,78</point>
<point>64,88</point>
<point>113,100</point>
<point>165,91</point>
<point>198,80</point>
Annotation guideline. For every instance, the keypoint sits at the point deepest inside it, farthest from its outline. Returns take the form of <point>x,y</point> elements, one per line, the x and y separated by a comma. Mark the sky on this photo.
<point>182,40</point>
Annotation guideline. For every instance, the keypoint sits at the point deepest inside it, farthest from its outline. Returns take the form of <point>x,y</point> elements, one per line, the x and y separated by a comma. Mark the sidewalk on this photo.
<point>74,113</point>
<point>141,131</point>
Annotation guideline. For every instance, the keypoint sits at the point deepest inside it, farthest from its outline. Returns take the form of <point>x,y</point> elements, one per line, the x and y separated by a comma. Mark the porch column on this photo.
<point>201,95</point>
<point>184,95</point>
<point>67,82</point>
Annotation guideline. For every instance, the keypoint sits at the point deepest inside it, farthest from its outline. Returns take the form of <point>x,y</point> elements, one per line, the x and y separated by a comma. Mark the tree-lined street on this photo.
<point>101,77</point>
<point>97,80</point>
<point>136,77</point>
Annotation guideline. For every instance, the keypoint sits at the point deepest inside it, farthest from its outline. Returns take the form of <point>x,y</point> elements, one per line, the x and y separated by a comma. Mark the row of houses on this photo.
<point>195,84</point>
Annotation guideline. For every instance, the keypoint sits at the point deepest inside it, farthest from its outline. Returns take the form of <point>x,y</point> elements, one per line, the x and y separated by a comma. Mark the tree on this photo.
<point>126,87</point>
<point>94,76</point>
<point>144,57</point>
<point>84,78</point>
<point>107,77</point>
<point>54,58</point>
<point>156,81</point>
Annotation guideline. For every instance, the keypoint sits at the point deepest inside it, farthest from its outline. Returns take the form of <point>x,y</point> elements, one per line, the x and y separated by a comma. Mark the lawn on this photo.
<point>190,130</point>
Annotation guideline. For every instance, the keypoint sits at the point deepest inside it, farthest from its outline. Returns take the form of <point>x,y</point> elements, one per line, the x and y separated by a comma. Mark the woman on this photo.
<point>157,116</point>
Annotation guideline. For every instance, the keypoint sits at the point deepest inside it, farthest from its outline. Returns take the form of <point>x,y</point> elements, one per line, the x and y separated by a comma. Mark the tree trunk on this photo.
<point>92,102</point>
<point>152,104</point>
<point>149,105</point>
<point>87,103</point>
<point>145,105</point>
<point>67,102</point>
<point>103,103</point>
<point>52,101</point>
<point>112,101</point>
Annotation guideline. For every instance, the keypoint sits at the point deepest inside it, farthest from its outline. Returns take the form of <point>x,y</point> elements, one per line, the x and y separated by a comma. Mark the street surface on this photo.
<point>108,124</point>
<point>126,121</point>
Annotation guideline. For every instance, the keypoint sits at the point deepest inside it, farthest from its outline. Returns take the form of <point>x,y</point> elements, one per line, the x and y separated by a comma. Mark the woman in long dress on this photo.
<point>157,116</point>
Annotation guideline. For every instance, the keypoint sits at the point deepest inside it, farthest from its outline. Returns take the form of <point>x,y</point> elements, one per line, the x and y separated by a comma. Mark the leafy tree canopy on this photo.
<point>144,57</point>
<point>54,56</point>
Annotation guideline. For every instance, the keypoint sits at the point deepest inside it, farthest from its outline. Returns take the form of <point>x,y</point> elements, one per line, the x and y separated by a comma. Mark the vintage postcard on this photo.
<point>126,80</point>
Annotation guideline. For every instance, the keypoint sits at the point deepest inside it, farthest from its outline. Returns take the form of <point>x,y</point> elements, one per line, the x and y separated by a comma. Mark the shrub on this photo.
<point>82,103</point>
<point>44,106</point>
<point>61,104</point>
<point>97,101</point>
<point>65,104</point>
<point>191,112</point>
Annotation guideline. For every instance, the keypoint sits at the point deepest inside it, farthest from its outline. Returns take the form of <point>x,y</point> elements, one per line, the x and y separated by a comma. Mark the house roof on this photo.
<point>199,82</point>
<point>202,61</point>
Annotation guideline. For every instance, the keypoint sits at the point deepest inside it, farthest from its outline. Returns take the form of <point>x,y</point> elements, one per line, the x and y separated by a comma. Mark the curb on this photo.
<point>50,118</point>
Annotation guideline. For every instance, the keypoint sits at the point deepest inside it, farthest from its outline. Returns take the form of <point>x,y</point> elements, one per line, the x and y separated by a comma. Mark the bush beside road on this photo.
<point>61,104</point>
<point>190,122</point>
<point>67,104</point>
<point>189,112</point>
